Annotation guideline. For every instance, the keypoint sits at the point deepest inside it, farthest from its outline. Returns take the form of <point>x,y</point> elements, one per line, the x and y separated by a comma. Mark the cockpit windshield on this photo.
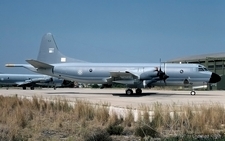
<point>202,68</point>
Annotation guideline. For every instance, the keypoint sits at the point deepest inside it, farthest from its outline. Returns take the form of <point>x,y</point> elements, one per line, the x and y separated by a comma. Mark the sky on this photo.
<point>126,31</point>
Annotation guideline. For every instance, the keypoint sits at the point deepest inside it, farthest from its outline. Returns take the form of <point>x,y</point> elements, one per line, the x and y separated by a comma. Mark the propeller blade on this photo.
<point>162,75</point>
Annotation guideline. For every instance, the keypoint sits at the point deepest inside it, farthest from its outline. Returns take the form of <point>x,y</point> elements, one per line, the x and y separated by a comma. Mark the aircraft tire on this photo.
<point>129,91</point>
<point>32,88</point>
<point>138,91</point>
<point>193,93</point>
<point>24,88</point>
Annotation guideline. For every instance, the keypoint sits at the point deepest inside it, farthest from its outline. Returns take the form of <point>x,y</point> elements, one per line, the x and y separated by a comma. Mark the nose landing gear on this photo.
<point>192,92</point>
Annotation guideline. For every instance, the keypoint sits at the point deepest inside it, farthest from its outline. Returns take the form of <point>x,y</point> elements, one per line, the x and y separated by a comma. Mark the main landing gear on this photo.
<point>130,91</point>
<point>32,87</point>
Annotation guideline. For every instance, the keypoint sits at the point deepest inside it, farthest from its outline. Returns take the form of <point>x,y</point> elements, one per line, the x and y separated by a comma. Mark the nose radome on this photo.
<point>214,78</point>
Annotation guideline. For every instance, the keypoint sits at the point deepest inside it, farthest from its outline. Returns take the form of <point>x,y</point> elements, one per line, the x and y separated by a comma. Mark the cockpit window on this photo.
<point>202,68</point>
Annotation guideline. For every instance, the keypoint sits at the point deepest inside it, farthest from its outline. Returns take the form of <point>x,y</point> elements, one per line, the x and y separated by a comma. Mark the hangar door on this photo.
<point>221,84</point>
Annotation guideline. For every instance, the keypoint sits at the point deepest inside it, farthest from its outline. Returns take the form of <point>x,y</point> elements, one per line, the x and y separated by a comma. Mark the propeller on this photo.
<point>162,75</point>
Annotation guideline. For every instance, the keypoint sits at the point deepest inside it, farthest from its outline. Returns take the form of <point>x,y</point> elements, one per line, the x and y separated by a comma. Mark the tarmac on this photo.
<point>118,98</point>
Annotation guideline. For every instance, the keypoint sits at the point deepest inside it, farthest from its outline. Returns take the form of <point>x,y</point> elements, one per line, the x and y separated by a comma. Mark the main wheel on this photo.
<point>193,93</point>
<point>138,91</point>
<point>129,91</point>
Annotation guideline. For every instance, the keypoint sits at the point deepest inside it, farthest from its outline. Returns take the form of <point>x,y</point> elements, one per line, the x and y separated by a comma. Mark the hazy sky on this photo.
<point>111,30</point>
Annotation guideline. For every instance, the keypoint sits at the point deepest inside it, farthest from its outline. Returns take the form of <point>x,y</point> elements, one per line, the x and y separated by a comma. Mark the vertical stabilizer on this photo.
<point>49,52</point>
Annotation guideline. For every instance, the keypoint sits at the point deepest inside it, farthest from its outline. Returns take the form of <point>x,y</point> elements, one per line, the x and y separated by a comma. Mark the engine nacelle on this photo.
<point>148,83</point>
<point>148,75</point>
<point>48,80</point>
<point>140,84</point>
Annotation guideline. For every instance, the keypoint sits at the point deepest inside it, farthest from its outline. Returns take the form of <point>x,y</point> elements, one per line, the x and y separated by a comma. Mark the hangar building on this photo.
<point>214,62</point>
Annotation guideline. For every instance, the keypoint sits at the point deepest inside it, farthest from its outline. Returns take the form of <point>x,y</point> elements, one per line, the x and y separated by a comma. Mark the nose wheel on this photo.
<point>193,92</point>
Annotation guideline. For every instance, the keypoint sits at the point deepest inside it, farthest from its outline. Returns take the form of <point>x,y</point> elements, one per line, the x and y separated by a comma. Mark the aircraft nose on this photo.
<point>214,78</point>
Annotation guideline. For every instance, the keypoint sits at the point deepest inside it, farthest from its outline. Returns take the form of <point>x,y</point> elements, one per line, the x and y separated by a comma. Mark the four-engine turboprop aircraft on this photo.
<point>135,75</point>
<point>29,80</point>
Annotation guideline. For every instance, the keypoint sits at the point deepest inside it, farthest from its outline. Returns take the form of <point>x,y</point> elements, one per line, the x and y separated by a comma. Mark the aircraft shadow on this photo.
<point>133,95</point>
<point>184,94</point>
<point>64,93</point>
<point>161,94</point>
<point>114,94</point>
<point>73,93</point>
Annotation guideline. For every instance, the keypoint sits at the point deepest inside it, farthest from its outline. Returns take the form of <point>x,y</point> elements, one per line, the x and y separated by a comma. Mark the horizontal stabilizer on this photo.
<point>27,66</point>
<point>15,65</point>
<point>38,64</point>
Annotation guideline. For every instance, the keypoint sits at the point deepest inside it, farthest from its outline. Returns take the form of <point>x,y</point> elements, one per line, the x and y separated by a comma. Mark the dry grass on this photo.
<point>40,119</point>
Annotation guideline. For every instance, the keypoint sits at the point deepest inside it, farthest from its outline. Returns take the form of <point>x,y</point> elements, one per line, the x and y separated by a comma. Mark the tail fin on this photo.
<point>49,52</point>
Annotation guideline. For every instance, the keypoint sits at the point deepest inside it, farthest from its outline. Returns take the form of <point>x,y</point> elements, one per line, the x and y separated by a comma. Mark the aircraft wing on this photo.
<point>125,75</point>
<point>23,83</point>
<point>35,80</point>
<point>122,77</point>
<point>133,77</point>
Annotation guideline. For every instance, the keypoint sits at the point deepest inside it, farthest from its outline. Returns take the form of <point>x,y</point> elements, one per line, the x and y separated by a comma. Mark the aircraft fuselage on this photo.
<point>100,73</point>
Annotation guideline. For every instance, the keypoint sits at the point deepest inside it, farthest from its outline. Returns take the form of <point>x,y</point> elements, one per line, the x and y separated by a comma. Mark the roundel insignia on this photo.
<point>181,71</point>
<point>80,72</point>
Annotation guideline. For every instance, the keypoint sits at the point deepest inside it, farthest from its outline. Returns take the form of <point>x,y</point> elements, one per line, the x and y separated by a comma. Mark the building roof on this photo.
<point>198,57</point>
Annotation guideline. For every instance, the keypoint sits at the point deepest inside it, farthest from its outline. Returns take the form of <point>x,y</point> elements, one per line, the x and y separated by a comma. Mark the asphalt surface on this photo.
<point>118,98</point>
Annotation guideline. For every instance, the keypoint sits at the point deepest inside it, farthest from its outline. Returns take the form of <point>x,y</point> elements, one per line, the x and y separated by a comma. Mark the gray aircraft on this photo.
<point>51,61</point>
<point>29,80</point>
